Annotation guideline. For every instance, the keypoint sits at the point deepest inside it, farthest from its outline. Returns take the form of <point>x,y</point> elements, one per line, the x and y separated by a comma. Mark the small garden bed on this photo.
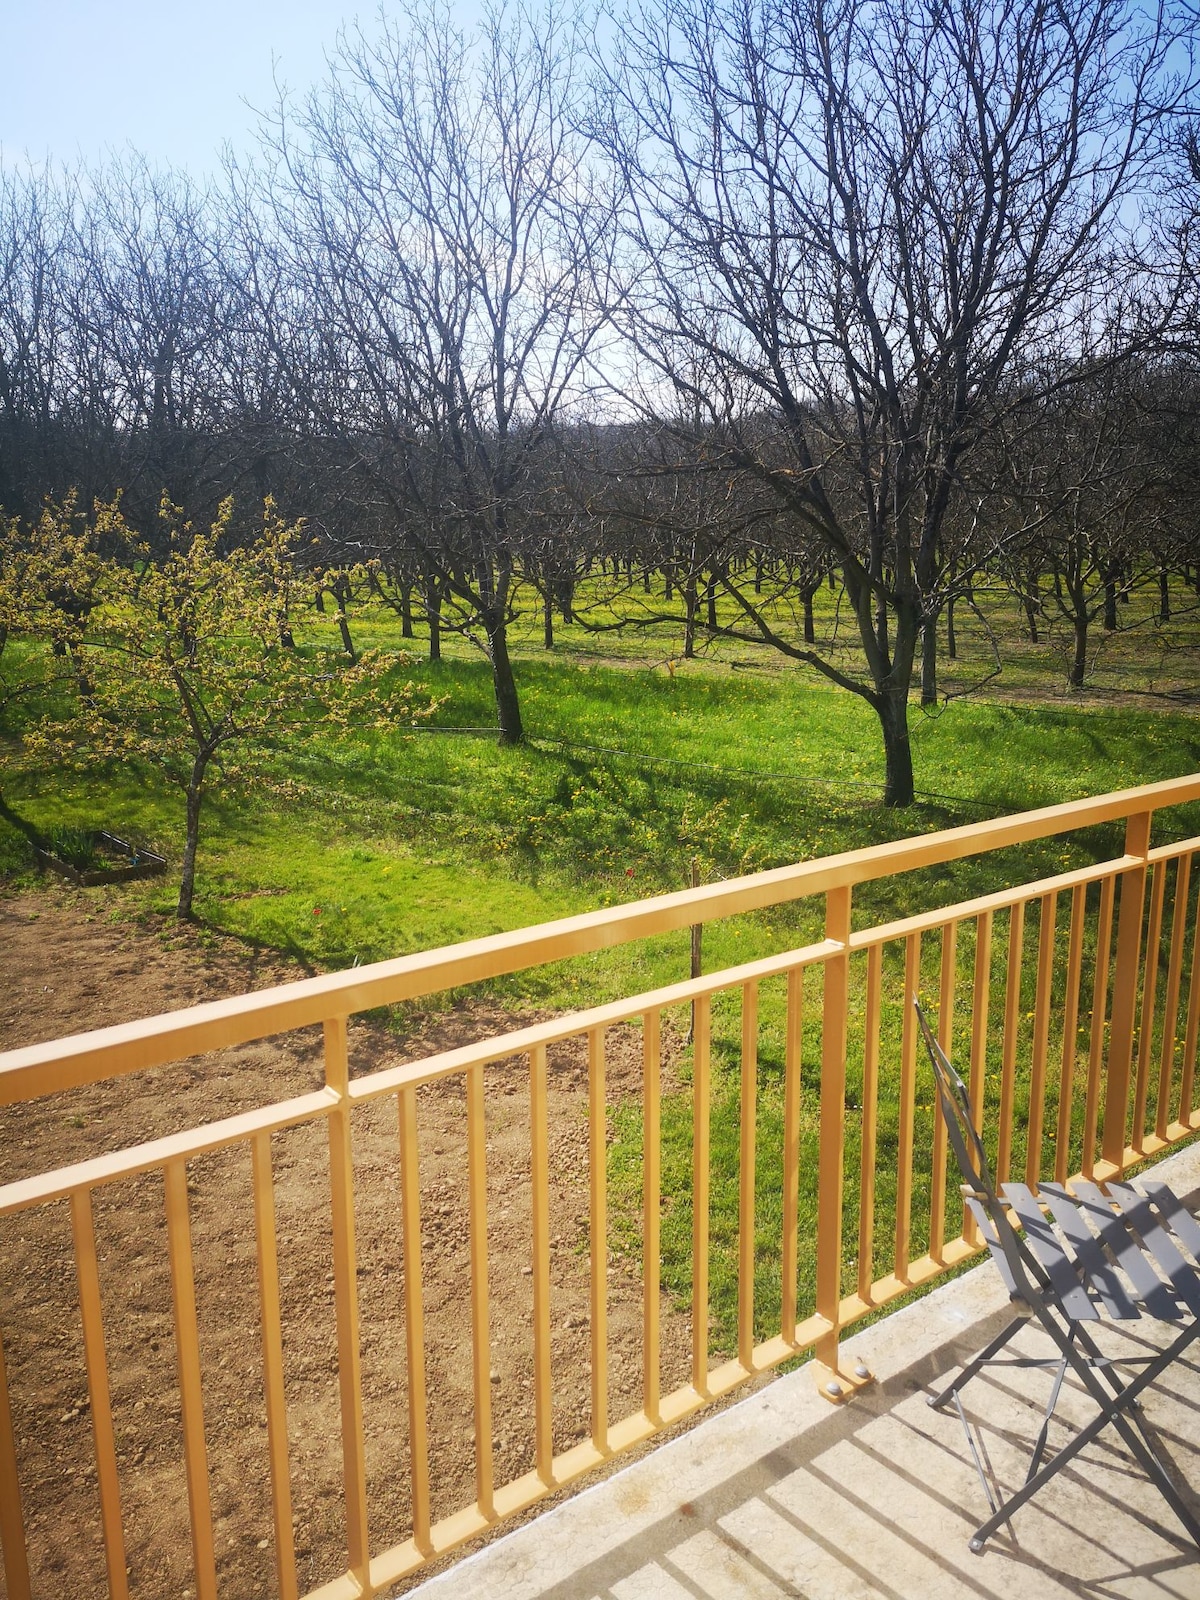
<point>93,855</point>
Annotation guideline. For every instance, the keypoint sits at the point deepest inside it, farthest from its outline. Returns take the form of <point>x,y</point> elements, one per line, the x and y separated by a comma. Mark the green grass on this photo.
<point>427,838</point>
<point>355,848</point>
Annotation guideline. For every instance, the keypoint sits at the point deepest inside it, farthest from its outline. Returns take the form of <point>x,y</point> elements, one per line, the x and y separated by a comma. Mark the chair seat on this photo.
<point>1119,1252</point>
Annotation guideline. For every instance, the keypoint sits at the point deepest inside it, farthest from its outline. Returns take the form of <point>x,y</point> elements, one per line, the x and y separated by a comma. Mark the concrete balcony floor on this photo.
<point>786,1495</point>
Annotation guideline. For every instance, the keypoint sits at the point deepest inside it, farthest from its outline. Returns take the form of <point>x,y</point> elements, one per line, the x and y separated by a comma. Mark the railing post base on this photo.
<point>839,1384</point>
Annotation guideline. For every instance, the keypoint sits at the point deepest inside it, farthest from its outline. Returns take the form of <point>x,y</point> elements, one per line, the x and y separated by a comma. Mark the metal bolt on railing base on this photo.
<point>840,1383</point>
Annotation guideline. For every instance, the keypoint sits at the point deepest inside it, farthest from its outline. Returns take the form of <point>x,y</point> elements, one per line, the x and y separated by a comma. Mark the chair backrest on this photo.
<point>1025,1276</point>
<point>959,1118</point>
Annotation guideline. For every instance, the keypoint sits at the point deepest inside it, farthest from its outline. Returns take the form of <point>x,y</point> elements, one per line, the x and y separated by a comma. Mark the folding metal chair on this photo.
<point>1083,1250</point>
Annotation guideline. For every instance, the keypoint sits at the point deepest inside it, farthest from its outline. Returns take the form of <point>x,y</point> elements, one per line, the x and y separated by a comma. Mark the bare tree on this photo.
<point>1083,499</point>
<point>860,220</point>
<point>35,231</point>
<point>435,205</point>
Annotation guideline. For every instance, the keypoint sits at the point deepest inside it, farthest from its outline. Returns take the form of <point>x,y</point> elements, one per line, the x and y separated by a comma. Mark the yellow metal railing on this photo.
<point>1102,1064</point>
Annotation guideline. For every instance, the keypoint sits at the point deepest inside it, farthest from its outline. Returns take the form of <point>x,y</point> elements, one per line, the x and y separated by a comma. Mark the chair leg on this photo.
<point>1112,1409</point>
<point>1139,1444</point>
<point>1039,1448</point>
<point>937,1401</point>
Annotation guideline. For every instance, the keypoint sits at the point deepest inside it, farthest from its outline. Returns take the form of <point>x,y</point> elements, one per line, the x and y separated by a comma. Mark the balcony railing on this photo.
<point>1073,1001</point>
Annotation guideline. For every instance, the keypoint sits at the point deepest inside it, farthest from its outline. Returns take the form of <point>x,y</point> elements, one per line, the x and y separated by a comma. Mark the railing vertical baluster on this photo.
<point>92,1319</point>
<point>651,1208</point>
<point>870,1123</point>
<point>273,1390</point>
<point>12,1518</point>
<point>539,1144</point>
<point>1070,1037</point>
<point>481,1339</point>
<point>1012,1023</point>
<point>746,1169</point>
<point>1047,928</point>
<point>414,1315</point>
<point>1191,1037</point>
<point>1166,1065</point>
<point>1158,889</point>
<point>981,1000</point>
<point>1125,990</point>
<point>908,1094</point>
<point>791,1149</point>
<point>1091,1114</point>
<point>191,1400</point>
<point>937,1177</point>
<point>598,1224</point>
<point>835,1005</point>
<point>345,1295</point>
<point>700,1191</point>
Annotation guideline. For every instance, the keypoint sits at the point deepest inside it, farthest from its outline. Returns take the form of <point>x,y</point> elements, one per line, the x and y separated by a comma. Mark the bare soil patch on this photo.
<point>64,968</point>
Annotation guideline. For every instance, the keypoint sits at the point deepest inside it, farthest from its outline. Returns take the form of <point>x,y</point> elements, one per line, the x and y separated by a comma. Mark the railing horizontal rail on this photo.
<point>128,1163</point>
<point>131,1047</point>
<point>501,1046</point>
<point>1173,852</point>
<point>999,900</point>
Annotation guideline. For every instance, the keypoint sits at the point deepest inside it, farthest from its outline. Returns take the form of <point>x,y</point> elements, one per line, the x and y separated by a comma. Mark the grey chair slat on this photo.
<point>1102,1277</point>
<point>1147,1285</point>
<point>1051,1252</point>
<point>1180,1274</point>
<point>988,1234</point>
<point>1183,1223</point>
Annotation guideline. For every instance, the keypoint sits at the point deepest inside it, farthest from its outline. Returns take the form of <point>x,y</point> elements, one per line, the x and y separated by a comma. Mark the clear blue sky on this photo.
<point>169,77</point>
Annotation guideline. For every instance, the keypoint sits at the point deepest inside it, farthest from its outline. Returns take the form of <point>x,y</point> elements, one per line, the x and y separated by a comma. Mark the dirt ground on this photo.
<point>66,967</point>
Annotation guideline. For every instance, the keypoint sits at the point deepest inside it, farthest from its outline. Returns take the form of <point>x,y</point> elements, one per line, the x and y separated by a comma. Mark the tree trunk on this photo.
<point>187,882</point>
<point>1110,605</point>
<point>508,707</point>
<point>344,627</point>
<point>1079,660</point>
<point>711,601</point>
<point>406,618</point>
<point>689,621</point>
<point>82,681</point>
<point>1031,600</point>
<point>1164,596</point>
<point>891,707</point>
<point>951,636</point>
<point>548,619</point>
<point>347,641</point>
<point>433,610</point>
<point>810,625</point>
<point>929,692</point>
